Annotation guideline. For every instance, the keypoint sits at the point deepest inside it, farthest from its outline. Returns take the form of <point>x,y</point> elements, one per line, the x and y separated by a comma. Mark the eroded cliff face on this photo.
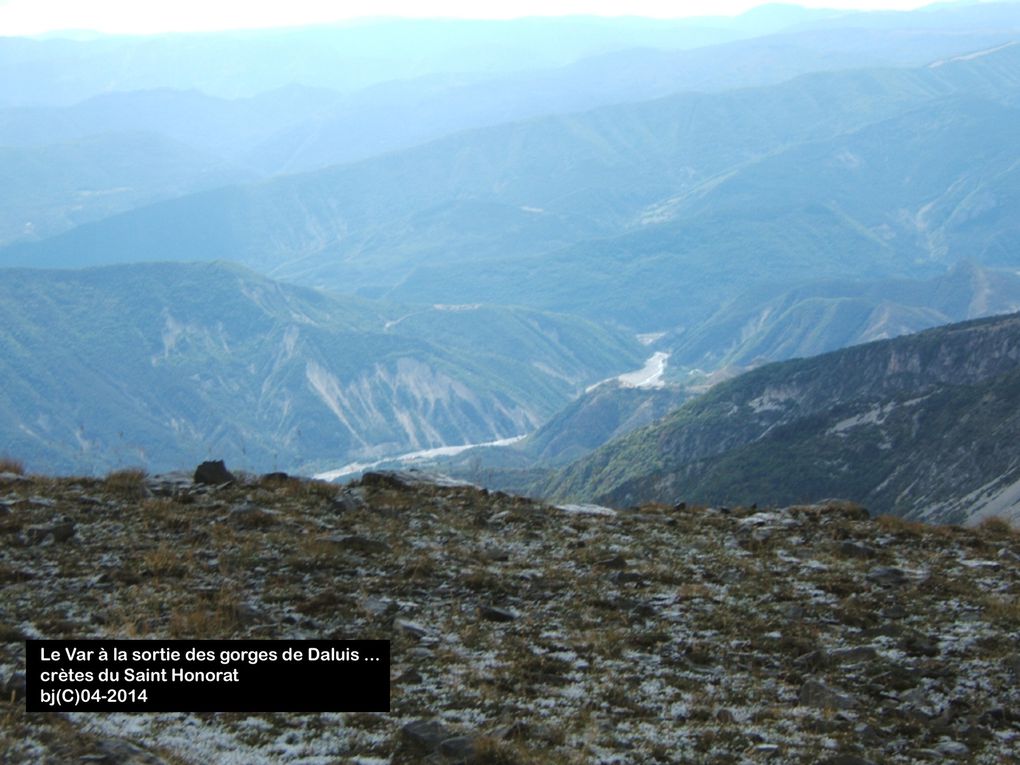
<point>912,426</point>
<point>155,364</point>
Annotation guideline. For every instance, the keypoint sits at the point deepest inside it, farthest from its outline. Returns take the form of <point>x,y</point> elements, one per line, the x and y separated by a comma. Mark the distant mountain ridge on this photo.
<point>141,364</point>
<point>649,190</point>
<point>817,317</point>
<point>922,426</point>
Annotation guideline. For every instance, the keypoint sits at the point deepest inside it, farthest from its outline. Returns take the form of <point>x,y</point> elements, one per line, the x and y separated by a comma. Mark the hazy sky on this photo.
<point>23,17</point>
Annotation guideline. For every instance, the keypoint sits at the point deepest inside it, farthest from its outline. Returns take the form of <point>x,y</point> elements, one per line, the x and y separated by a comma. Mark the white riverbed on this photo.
<point>439,451</point>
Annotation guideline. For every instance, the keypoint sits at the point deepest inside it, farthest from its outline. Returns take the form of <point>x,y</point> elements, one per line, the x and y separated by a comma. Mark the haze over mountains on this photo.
<point>496,211</point>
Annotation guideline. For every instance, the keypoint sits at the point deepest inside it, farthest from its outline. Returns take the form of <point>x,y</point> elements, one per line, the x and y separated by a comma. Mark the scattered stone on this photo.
<point>850,549</point>
<point>725,717</point>
<point>360,544</point>
<point>953,749</point>
<point>62,532</point>
<point>424,736</point>
<point>846,759</point>
<point>56,533</point>
<point>1008,555</point>
<point>119,752</point>
<point>169,484</point>
<point>887,576</point>
<point>626,577</point>
<point>411,628</point>
<point>495,555</point>
<point>854,655</point>
<point>251,516</point>
<point>812,660</point>
<point>867,735</point>
<point>515,731</point>
<point>1012,664</point>
<point>802,624</point>
<point>792,611</point>
<point>815,693</point>
<point>916,644</point>
<point>213,473</point>
<point>493,614</point>
<point>14,687</point>
<point>347,501</point>
<point>895,611</point>
<point>410,677</point>
<point>379,606</point>
<point>458,748</point>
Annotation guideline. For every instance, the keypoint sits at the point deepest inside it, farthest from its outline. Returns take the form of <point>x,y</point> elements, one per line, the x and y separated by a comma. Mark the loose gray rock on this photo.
<point>953,749</point>
<point>815,693</point>
<point>888,576</point>
<point>853,655</point>
<point>169,484</point>
<point>1012,664</point>
<point>916,644</point>
<point>213,473</point>
<point>14,686</point>
<point>626,577</point>
<point>361,544</point>
<point>56,533</point>
<point>347,501</point>
<point>410,628</point>
<point>846,759</point>
<point>856,550</point>
<point>493,614</point>
<point>458,748</point>
<point>514,731</point>
<point>115,751</point>
<point>424,736</point>
<point>1008,555</point>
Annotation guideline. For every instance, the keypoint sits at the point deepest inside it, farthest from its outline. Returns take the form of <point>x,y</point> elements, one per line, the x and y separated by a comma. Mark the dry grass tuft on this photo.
<point>128,483</point>
<point>167,562</point>
<point>895,525</point>
<point>11,465</point>
<point>217,620</point>
<point>492,751</point>
<point>996,526</point>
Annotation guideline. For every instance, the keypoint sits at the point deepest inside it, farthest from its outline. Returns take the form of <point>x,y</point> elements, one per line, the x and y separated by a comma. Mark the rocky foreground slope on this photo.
<point>521,632</point>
